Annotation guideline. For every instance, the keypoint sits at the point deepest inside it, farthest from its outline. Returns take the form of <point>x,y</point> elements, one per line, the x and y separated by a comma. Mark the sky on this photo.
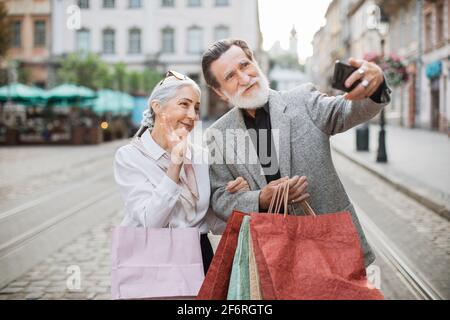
<point>278,16</point>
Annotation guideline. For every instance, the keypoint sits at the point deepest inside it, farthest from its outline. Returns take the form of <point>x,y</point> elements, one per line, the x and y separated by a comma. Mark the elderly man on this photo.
<point>292,140</point>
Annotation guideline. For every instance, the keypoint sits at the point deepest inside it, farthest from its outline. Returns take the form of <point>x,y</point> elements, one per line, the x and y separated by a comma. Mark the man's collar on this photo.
<point>265,108</point>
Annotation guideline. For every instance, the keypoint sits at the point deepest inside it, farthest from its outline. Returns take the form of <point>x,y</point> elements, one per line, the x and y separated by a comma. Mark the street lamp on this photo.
<point>380,23</point>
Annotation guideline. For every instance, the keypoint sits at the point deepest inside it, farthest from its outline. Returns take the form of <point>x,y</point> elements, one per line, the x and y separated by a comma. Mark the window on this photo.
<point>168,40</point>
<point>134,4</point>
<point>83,4</point>
<point>195,40</point>
<point>109,41</point>
<point>108,4</point>
<point>168,3</point>
<point>428,31</point>
<point>134,45</point>
<point>402,30</point>
<point>83,40</point>
<point>440,13</point>
<point>39,33</point>
<point>222,3</point>
<point>221,32</point>
<point>448,19</point>
<point>16,34</point>
<point>194,3</point>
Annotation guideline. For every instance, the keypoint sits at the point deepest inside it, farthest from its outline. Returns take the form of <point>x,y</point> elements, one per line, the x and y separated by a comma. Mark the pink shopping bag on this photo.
<point>155,263</point>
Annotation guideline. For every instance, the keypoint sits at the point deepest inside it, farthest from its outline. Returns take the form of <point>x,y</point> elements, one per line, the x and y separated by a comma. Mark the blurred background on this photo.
<point>75,77</point>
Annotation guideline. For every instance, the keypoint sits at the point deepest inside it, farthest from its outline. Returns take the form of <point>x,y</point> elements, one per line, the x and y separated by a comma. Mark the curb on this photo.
<point>439,207</point>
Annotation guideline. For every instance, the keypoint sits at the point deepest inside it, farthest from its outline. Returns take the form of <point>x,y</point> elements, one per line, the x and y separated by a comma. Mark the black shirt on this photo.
<point>263,141</point>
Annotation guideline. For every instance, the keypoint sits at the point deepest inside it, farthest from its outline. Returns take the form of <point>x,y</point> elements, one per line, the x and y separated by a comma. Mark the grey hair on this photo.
<point>163,93</point>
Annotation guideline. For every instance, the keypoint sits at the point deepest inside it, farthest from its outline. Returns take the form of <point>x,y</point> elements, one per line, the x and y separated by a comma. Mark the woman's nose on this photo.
<point>192,114</point>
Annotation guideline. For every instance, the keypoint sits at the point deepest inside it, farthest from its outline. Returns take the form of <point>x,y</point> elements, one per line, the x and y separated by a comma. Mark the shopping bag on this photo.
<point>155,263</point>
<point>239,287</point>
<point>309,257</point>
<point>255,287</point>
<point>216,227</point>
<point>215,285</point>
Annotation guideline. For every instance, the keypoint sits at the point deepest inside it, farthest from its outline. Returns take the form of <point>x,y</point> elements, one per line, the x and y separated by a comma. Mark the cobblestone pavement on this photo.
<point>28,170</point>
<point>53,277</point>
<point>421,235</point>
<point>425,222</point>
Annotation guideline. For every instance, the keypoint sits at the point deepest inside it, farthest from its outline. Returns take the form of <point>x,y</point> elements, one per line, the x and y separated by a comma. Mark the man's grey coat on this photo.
<point>306,119</point>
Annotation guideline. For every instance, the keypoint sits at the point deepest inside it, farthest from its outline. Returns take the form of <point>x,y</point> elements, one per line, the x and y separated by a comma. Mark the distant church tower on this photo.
<point>293,42</point>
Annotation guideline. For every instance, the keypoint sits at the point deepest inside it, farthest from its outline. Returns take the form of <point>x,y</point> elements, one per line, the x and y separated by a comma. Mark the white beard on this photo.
<point>257,99</point>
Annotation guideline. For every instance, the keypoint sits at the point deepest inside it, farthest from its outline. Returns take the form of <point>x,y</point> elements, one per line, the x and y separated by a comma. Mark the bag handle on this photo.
<point>281,196</point>
<point>307,208</point>
<point>275,200</point>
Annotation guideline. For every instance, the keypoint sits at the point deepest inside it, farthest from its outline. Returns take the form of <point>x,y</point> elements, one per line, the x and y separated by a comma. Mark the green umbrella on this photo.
<point>106,101</point>
<point>113,101</point>
<point>126,103</point>
<point>68,94</point>
<point>18,92</point>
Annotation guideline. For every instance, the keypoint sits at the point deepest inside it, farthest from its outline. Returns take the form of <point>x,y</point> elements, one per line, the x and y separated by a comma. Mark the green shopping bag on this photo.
<point>239,288</point>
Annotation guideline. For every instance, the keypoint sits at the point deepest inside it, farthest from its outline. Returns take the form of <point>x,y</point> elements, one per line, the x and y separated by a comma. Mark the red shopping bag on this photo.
<point>215,285</point>
<point>309,257</point>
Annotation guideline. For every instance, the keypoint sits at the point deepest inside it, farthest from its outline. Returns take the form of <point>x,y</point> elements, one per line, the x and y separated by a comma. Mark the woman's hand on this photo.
<point>176,140</point>
<point>178,146</point>
<point>238,185</point>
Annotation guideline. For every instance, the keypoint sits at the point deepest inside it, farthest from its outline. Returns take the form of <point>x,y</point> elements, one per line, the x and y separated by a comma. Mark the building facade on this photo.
<point>330,43</point>
<point>163,34</point>
<point>316,63</point>
<point>418,33</point>
<point>435,91</point>
<point>30,28</point>
<point>403,41</point>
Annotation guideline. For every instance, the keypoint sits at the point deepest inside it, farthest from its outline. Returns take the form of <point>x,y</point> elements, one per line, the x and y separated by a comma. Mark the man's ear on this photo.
<point>220,94</point>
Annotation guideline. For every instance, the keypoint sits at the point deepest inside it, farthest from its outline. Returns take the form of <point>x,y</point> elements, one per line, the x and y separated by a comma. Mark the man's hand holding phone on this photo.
<point>360,79</point>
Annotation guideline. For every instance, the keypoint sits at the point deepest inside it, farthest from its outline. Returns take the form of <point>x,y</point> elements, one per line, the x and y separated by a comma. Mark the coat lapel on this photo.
<point>281,132</point>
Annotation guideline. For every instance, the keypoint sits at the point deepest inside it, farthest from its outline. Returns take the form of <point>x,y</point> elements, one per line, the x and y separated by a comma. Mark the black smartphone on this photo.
<point>341,73</point>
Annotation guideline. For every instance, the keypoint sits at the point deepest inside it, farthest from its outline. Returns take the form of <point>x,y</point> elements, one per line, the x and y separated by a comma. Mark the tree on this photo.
<point>135,82</point>
<point>92,72</point>
<point>121,77</point>
<point>5,33</point>
<point>106,78</point>
<point>150,79</point>
<point>3,76</point>
<point>87,70</point>
<point>24,74</point>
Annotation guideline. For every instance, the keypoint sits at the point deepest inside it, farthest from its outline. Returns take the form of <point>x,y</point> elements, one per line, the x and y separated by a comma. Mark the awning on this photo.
<point>434,70</point>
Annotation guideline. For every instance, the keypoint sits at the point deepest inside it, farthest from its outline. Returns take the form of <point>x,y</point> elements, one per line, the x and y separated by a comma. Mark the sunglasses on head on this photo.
<point>175,74</point>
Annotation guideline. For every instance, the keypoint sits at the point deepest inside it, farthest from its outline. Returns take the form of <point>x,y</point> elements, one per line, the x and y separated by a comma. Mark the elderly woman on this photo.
<point>163,179</point>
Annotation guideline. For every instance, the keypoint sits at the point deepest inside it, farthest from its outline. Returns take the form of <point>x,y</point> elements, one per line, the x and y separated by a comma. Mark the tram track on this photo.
<point>31,231</point>
<point>405,270</point>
